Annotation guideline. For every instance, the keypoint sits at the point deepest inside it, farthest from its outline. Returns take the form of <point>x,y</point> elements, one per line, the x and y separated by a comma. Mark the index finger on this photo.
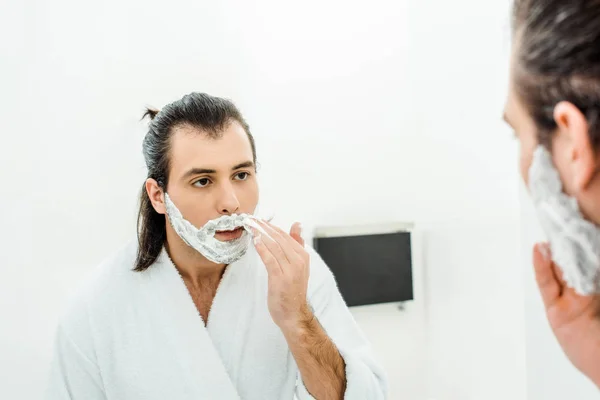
<point>287,243</point>
<point>292,242</point>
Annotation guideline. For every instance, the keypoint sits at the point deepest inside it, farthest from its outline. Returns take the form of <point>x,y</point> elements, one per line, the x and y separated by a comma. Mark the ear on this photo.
<point>156,195</point>
<point>573,125</point>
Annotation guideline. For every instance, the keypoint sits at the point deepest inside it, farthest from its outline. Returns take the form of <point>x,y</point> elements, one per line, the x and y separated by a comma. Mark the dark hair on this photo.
<point>211,116</point>
<point>557,59</point>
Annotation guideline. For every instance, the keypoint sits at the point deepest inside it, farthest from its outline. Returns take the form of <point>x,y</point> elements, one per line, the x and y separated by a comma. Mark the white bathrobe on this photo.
<point>138,335</point>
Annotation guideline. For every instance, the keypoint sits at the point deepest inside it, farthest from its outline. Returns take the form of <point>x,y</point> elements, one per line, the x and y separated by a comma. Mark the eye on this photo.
<point>242,176</point>
<point>202,182</point>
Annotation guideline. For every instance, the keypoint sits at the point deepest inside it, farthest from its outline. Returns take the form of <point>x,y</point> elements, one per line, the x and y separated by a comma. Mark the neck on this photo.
<point>192,265</point>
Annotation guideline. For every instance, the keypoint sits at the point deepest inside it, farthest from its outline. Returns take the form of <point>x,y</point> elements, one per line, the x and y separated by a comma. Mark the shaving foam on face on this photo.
<point>203,240</point>
<point>574,241</point>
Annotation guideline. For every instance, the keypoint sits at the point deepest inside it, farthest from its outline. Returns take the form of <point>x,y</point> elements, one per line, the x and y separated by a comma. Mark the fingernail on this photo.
<point>257,239</point>
<point>300,227</point>
<point>544,250</point>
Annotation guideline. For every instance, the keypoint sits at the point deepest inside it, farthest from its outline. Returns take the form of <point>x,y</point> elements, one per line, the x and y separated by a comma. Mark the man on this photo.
<point>195,310</point>
<point>554,108</point>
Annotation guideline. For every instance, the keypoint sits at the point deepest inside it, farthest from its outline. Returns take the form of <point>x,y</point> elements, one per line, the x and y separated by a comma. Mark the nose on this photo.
<point>228,202</point>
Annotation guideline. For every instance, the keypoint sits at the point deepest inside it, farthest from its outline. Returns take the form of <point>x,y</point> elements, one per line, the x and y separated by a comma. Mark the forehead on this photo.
<point>509,107</point>
<point>194,148</point>
<point>516,113</point>
<point>515,109</point>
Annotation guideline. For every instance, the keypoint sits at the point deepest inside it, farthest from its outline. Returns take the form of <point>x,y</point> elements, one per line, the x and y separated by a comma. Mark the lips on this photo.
<point>227,235</point>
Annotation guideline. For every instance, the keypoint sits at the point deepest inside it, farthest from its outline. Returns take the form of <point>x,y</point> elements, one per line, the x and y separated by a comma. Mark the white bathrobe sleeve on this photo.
<point>365,379</point>
<point>74,375</point>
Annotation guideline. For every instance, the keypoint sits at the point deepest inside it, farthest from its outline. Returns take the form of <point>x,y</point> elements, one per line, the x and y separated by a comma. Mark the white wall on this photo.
<point>469,191</point>
<point>398,111</point>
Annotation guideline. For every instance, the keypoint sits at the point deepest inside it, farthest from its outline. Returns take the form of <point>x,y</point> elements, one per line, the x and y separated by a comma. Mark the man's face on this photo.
<point>212,177</point>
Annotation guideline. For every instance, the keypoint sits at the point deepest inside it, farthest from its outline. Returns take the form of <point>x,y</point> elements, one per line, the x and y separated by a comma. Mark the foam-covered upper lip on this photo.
<point>228,223</point>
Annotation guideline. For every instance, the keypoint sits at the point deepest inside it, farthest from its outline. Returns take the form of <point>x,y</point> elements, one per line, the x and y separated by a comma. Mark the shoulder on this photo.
<point>104,283</point>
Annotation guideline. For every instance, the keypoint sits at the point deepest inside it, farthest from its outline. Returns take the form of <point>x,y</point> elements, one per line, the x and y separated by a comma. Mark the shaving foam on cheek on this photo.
<point>574,241</point>
<point>203,240</point>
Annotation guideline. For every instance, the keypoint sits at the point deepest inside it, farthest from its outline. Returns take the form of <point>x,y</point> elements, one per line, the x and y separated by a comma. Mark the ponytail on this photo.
<point>150,112</point>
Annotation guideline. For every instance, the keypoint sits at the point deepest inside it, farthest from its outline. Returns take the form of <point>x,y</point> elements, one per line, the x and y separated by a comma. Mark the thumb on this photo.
<point>545,276</point>
<point>296,233</point>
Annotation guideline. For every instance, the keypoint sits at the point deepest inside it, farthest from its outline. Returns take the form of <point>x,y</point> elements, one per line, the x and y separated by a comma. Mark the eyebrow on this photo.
<point>246,164</point>
<point>198,171</point>
<point>201,171</point>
